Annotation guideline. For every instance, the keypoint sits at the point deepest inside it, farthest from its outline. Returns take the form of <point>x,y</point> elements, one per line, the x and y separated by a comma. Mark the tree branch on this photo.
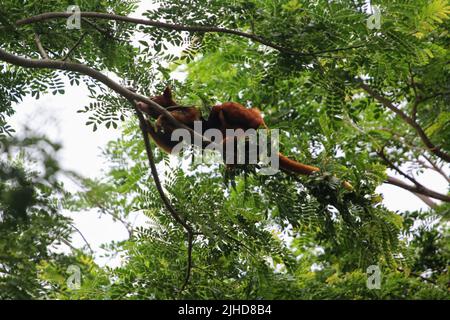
<point>178,27</point>
<point>175,215</point>
<point>104,32</point>
<point>130,96</point>
<point>39,46</point>
<point>422,135</point>
<point>97,75</point>
<point>418,189</point>
<point>416,95</point>
<point>83,69</point>
<point>189,264</point>
<point>74,46</point>
<point>383,156</point>
<point>84,239</point>
<point>425,191</point>
<point>426,200</point>
<point>438,169</point>
<point>418,276</point>
<point>154,171</point>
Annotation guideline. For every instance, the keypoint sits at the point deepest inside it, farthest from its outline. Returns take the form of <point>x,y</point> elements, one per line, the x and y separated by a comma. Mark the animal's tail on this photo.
<point>294,166</point>
<point>300,168</point>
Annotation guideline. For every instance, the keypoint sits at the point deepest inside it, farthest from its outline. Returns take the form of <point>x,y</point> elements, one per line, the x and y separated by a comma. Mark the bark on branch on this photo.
<point>424,190</point>
<point>178,27</point>
<point>97,75</point>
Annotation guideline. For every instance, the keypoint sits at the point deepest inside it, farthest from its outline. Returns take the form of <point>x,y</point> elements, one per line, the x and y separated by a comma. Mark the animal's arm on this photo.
<point>163,131</point>
<point>162,139</point>
<point>162,134</point>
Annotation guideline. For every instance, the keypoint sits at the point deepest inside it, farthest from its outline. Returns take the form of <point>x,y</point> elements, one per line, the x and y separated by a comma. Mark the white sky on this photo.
<point>56,117</point>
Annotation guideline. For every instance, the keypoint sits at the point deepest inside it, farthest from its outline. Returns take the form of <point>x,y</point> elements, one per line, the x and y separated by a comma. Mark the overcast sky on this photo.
<point>56,117</point>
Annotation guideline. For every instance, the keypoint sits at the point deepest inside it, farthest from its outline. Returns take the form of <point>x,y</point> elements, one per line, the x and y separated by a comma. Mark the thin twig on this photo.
<point>189,263</point>
<point>52,52</point>
<point>418,276</point>
<point>435,95</point>
<point>383,156</point>
<point>419,186</point>
<point>74,46</point>
<point>416,95</point>
<point>96,27</point>
<point>154,171</point>
<point>84,239</point>
<point>438,169</point>
<point>402,139</point>
<point>39,46</point>
<point>67,243</point>
<point>106,33</point>
<point>397,182</point>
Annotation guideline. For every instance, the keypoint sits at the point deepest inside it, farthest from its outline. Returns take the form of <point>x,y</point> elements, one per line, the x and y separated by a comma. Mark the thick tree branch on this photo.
<point>425,191</point>
<point>177,27</point>
<point>97,75</point>
<point>422,135</point>
<point>426,200</point>
<point>83,69</point>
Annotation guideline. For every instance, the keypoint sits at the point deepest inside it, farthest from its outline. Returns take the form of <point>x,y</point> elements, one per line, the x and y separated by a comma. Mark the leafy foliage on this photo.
<point>32,227</point>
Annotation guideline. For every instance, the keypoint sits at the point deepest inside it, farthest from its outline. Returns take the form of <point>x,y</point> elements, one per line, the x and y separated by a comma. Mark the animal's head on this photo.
<point>165,100</point>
